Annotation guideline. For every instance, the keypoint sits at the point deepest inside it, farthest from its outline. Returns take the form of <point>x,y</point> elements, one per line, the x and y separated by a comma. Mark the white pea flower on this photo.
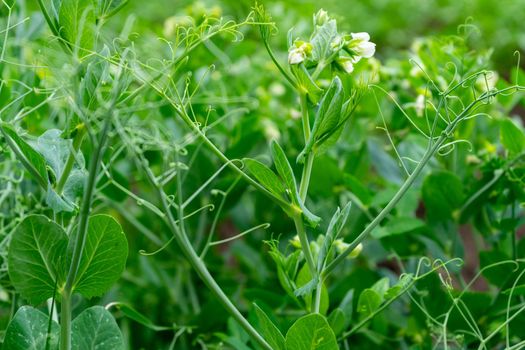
<point>363,36</point>
<point>346,63</point>
<point>271,131</point>
<point>360,45</point>
<point>419,105</point>
<point>296,56</point>
<point>299,52</point>
<point>321,17</point>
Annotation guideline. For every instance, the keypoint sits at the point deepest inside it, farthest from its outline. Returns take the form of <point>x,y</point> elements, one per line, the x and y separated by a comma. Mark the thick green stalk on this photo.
<point>305,245</point>
<point>307,169</point>
<point>318,292</point>
<point>303,191</point>
<point>305,178</point>
<point>305,118</point>
<point>94,165</point>
<point>77,141</point>
<point>65,321</point>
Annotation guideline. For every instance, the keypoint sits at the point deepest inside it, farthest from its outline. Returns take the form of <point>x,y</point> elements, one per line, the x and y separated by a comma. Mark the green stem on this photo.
<point>318,292</point>
<point>386,210</point>
<point>287,75</point>
<point>318,70</point>
<point>307,169</point>
<point>305,178</point>
<point>80,239</point>
<point>305,117</point>
<point>65,321</point>
<point>305,245</point>
<point>303,191</point>
<point>199,266</point>
<point>77,141</point>
<point>432,149</point>
<point>51,313</point>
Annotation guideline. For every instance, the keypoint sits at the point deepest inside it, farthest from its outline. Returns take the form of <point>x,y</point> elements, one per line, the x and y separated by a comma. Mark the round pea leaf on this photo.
<point>28,331</point>
<point>311,332</point>
<point>95,328</point>
<point>35,258</point>
<point>103,258</point>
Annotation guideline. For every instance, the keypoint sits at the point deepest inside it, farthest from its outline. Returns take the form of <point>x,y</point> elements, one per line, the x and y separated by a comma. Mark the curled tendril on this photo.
<point>447,148</point>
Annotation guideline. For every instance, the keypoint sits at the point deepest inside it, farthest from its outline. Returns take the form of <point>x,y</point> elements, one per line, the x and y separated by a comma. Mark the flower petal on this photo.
<point>364,36</point>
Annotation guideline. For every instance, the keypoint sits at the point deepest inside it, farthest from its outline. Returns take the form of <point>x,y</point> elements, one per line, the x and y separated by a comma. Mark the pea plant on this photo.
<point>114,148</point>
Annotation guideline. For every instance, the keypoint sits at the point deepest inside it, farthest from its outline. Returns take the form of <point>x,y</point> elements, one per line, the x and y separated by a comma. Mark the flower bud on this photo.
<point>321,17</point>
<point>295,242</point>
<point>341,246</point>
<point>299,52</point>
<point>345,63</point>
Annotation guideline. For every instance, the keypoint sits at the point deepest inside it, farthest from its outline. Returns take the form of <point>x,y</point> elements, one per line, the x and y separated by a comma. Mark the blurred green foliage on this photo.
<point>473,189</point>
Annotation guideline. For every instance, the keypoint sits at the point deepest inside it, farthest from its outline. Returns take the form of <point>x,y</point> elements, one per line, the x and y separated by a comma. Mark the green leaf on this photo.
<point>265,176</point>
<point>28,331</point>
<point>306,285</point>
<point>442,193</point>
<point>492,268</point>
<point>399,287</point>
<point>77,23</point>
<point>284,169</point>
<point>270,332</point>
<point>96,329</point>
<point>384,164</point>
<point>287,266</point>
<point>369,302</point>
<point>381,287</point>
<point>338,321</point>
<point>103,258</point>
<point>329,112</point>
<point>35,258</point>
<point>327,116</point>
<point>305,83</point>
<point>56,151</point>
<point>33,161</point>
<point>311,332</point>
<point>312,219</point>
<point>515,291</point>
<point>322,39</point>
<point>57,203</point>
<point>97,75</point>
<point>398,226</point>
<point>334,229</point>
<point>512,137</point>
